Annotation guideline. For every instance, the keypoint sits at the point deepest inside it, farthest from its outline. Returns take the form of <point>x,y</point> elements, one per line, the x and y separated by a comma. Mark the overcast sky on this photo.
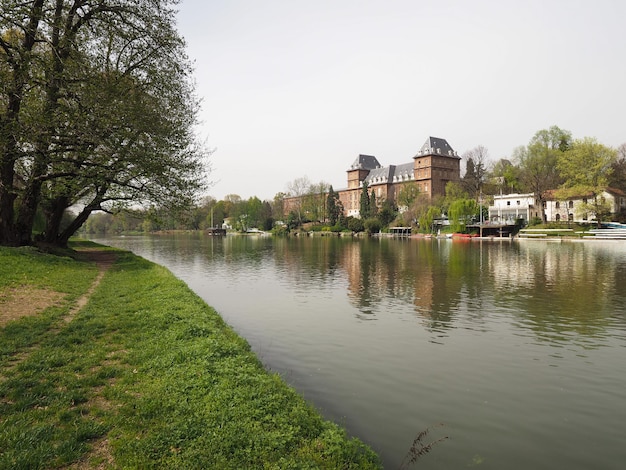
<point>295,88</point>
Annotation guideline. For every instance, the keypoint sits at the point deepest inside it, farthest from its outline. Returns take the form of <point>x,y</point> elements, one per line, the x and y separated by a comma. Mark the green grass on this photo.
<point>145,376</point>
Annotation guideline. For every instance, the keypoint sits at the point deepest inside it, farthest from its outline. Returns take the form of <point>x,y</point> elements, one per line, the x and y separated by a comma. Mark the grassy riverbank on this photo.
<point>129,369</point>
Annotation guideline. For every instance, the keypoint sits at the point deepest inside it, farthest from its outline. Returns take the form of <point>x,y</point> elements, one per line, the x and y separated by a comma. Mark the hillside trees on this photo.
<point>97,112</point>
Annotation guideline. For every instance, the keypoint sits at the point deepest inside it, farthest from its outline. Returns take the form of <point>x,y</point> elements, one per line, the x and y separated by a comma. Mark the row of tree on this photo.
<point>97,112</point>
<point>551,160</point>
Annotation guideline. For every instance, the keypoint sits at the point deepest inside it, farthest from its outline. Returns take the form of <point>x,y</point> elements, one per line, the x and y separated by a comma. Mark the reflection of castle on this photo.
<point>400,273</point>
<point>432,168</point>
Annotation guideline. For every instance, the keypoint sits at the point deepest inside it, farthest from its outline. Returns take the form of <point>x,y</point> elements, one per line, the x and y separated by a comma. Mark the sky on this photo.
<point>300,88</point>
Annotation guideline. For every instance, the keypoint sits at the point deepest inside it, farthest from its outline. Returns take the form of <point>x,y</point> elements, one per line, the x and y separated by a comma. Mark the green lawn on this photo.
<point>146,375</point>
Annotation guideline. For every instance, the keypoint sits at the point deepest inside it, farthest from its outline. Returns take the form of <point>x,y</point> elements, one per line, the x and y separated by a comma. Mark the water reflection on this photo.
<point>560,291</point>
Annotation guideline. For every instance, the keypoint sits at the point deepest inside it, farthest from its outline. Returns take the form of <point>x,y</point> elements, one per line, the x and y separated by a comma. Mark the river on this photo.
<point>512,353</point>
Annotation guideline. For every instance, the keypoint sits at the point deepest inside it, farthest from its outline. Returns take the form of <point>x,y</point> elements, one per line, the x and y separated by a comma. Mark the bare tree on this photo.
<point>476,170</point>
<point>298,189</point>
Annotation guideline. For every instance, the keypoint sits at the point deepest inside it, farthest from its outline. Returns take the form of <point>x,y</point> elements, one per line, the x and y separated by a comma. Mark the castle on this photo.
<point>435,164</point>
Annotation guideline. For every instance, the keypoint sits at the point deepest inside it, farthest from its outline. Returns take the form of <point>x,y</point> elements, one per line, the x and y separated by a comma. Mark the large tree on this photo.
<point>97,112</point>
<point>298,189</point>
<point>538,162</point>
<point>586,168</point>
<point>460,213</point>
<point>315,201</point>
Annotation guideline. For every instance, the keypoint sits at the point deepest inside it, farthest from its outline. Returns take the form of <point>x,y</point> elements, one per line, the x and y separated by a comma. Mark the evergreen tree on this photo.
<point>333,206</point>
<point>364,206</point>
<point>373,205</point>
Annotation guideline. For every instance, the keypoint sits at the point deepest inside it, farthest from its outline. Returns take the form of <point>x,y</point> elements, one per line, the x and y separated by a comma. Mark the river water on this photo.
<point>515,352</point>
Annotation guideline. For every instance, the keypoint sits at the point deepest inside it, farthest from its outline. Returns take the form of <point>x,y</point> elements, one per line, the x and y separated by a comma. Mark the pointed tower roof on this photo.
<point>365,162</point>
<point>436,146</point>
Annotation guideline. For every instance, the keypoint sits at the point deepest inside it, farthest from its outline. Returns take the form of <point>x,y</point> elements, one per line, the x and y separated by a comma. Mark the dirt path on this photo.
<point>104,259</point>
<point>26,301</point>
<point>16,303</point>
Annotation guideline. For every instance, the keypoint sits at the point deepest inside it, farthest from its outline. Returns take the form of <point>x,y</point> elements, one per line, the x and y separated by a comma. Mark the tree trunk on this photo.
<point>29,203</point>
<point>7,198</point>
<point>9,150</point>
<point>54,211</point>
<point>74,226</point>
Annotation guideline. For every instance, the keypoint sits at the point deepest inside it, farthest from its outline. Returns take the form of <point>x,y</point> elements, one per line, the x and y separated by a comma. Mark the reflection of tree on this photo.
<point>556,290</point>
<point>559,289</point>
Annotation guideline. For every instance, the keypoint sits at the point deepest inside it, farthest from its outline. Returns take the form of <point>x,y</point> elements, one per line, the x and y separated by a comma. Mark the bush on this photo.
<point>354,224</point>
<point>280,230</point>
<point>372,225</point>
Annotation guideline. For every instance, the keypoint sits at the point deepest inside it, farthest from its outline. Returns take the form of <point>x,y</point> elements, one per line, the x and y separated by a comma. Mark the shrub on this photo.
<point>354,224</point>
<point>372,225</point>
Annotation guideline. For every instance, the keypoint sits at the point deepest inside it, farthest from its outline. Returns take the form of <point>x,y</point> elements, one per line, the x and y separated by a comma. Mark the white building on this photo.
<point>507,208</point>
<point>577,208</point>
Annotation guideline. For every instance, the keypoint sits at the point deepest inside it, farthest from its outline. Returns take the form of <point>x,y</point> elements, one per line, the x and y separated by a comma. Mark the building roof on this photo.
<point>436,146</point>
<point>552,194</point>
<point>365,162</point>
<point>390,174</point>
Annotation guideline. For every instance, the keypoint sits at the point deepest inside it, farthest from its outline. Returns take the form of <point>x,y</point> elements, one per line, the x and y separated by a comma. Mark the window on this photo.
<point>571,204</point>
<point>557,205</point>
<point>518,203</point>
<point>508,203</point>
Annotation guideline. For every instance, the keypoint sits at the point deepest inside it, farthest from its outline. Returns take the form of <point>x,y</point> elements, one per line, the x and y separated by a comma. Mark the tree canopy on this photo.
<point>97,111</point>
<point>586,167</point>
<point>538,161</point>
